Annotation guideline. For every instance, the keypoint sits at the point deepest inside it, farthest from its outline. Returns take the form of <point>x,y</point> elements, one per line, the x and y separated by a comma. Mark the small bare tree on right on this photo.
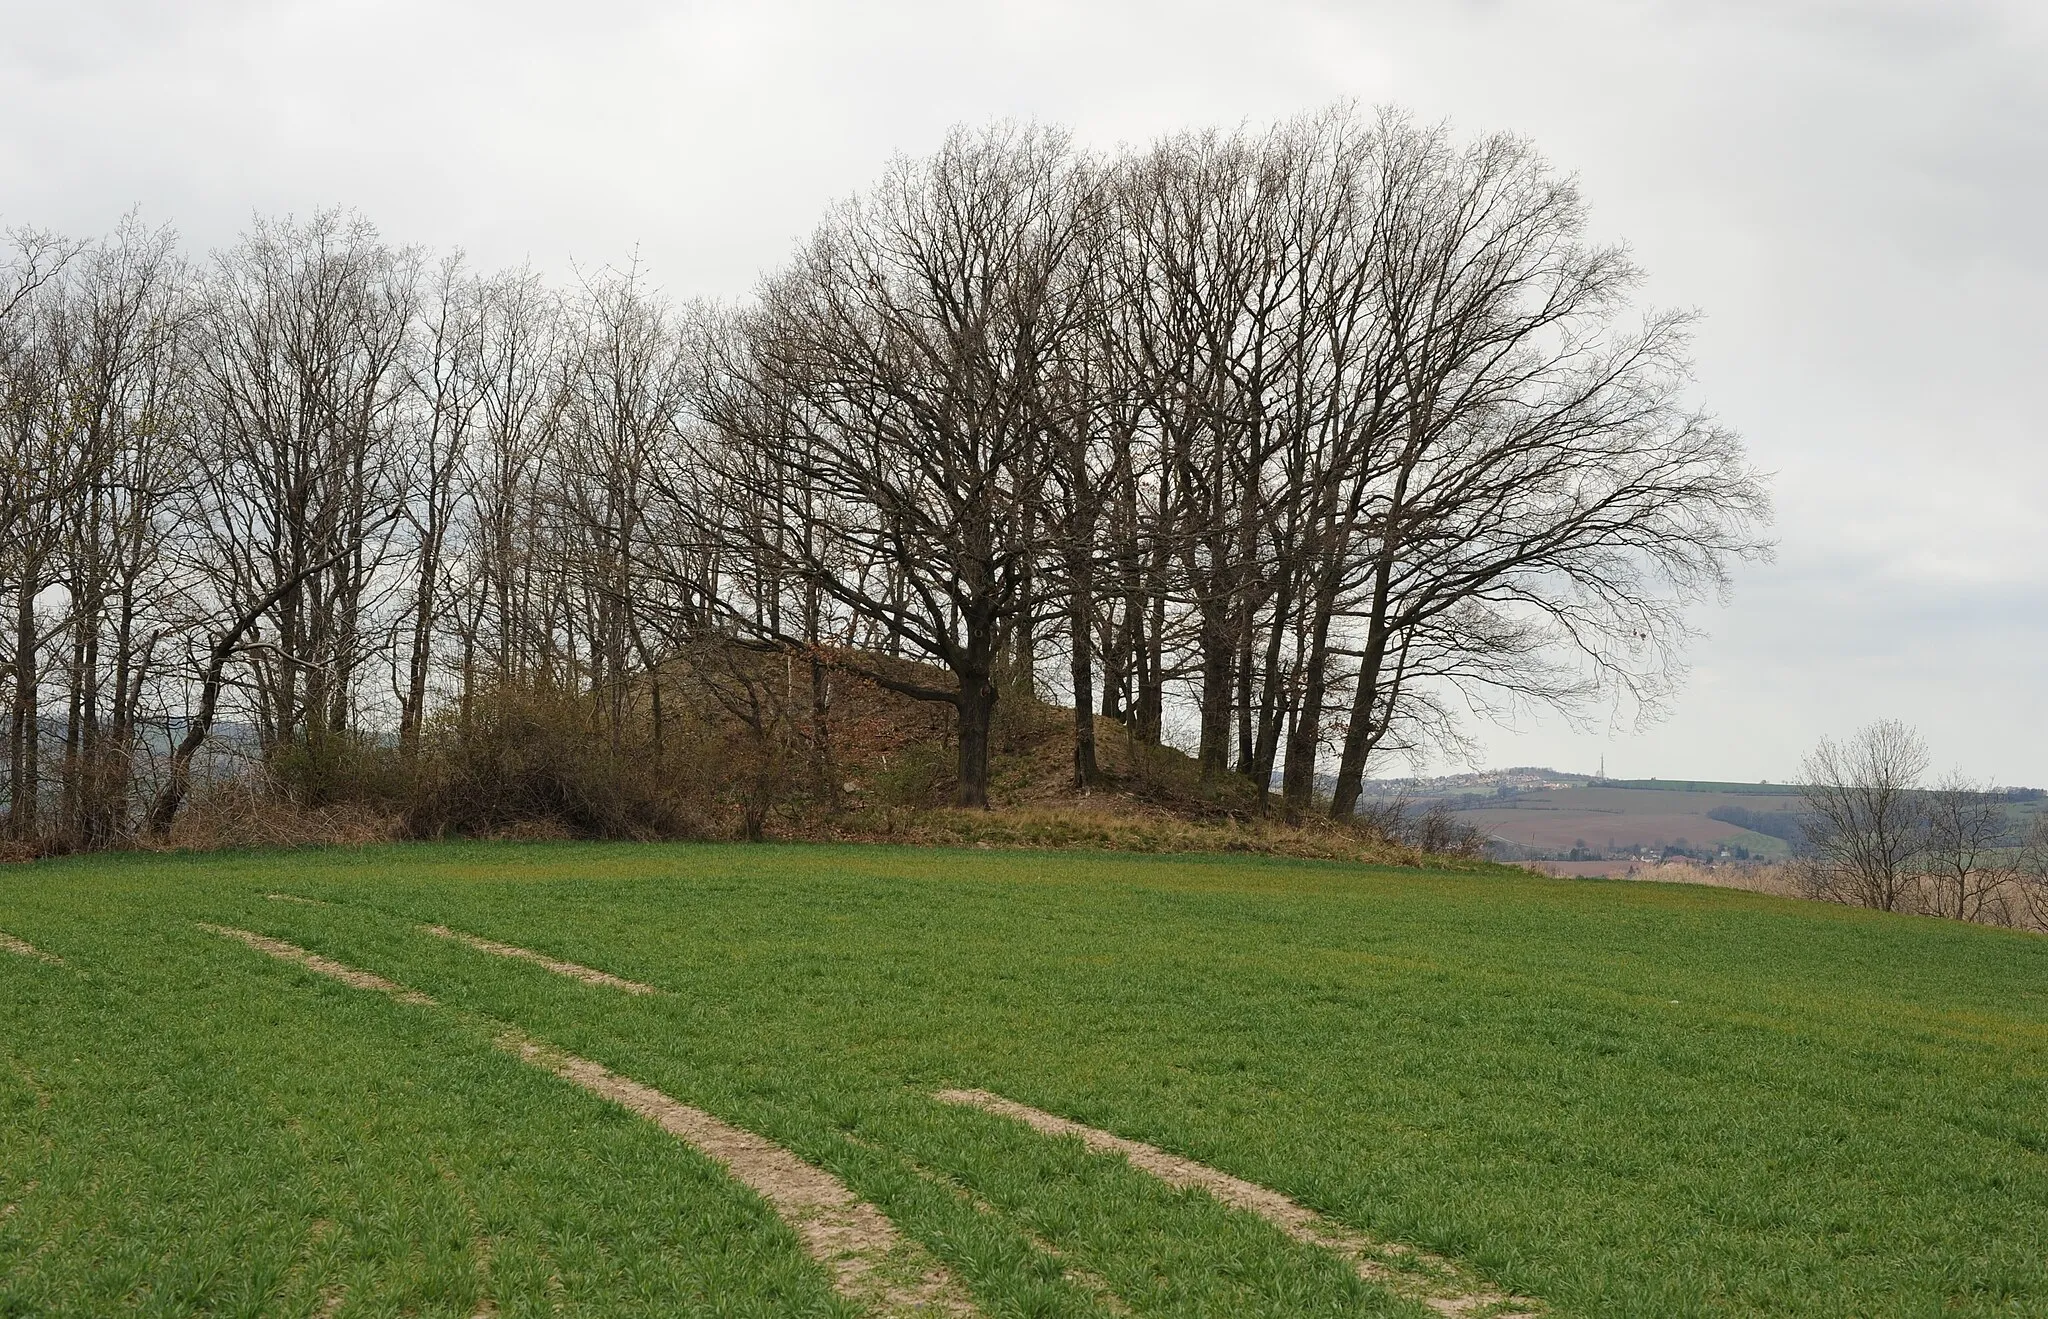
<point>1865,817</point>
<point>1966,857</point>
<point>2030,876</point>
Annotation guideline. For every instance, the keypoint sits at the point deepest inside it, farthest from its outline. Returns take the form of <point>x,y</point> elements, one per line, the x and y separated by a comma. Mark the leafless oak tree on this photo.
<point>891,387</point>
<point>1863,821</point>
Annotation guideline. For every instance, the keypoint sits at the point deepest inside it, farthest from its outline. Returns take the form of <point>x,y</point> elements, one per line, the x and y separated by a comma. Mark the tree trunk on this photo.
<point>23,778</point>
<point>1217,652</point>
<point>976,705</point>
<point>1024,641</point>
<point>1086,772</point>
<point>421,658</point>
<point>179,780</point>
<point>1149,715</point>
<point>77,745</point>
<point>110,806</point>
<point>1272,683</point>
<point>1360,736</point>
<point>1298,778</point>
<point>1115,648</point>
<point>1242,698</point>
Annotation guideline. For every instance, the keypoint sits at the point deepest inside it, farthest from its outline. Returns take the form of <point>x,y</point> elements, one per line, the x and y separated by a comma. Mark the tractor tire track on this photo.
<point>1435,1282</point>
<point>574,971</point>
<point>868,1261</point>
<point>23,948</point>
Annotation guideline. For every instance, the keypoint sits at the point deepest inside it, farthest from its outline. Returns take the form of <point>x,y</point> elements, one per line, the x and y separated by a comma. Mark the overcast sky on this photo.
<point>1853,193</point>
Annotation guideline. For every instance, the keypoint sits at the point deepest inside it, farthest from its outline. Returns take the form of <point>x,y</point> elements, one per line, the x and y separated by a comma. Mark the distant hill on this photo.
<point>1490,782</point>
<point>1521,778</point>
<point>1702,785</point>
<point>1535,813</point>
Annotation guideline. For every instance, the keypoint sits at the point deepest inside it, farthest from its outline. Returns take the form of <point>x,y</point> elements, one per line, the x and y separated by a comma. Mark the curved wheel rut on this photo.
<point>572,970</point>
<point>1433,1281</point>
<point>23,948</point>
<point>869,1261</point>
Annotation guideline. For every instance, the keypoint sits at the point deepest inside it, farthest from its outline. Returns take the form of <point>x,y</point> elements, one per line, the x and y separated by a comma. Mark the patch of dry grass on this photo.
<point>247,812</point>
<point>1120,823</point>
<point>1774,879</point>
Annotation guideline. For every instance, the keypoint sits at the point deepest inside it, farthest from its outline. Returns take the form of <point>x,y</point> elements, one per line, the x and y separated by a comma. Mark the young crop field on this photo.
<point>495,1079</point>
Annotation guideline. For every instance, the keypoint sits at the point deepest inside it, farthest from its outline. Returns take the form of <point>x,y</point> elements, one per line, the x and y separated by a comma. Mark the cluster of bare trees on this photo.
<point>293,495</point>
<point>1878,835</point>
<point>1327,427</point>
<point>1322,434</point>
<point>88,370</point>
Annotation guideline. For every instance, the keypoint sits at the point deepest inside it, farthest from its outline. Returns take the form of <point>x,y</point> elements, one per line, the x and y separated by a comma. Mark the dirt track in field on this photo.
<point>588,975</point>
<point>347,975</point>
<point>1088,1281</point>
<point>23,948</point>
<point>1432,1281</point>
<point>869,1261</point>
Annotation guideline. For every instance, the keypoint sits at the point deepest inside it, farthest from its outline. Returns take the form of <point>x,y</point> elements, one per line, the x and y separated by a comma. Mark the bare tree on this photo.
<point>43,472</point>
<point>1312,439</point>
<point>2030,875</point>
<point>1865,816</point>
<point>445,376</point>
<point>891,385</point>
<point>120,331</point>
<point>1966,859</point>
<point>751,687</point>
<point>1552,494</point>
<point>305,329</point>
<point>499,565</point>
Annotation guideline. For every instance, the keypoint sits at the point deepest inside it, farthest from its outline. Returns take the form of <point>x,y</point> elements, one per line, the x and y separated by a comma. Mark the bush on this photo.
<point>529,762</point>
<point>914,775</point>
<point>334,769</point>
<point>1435,829</point>
<point>252,809</point>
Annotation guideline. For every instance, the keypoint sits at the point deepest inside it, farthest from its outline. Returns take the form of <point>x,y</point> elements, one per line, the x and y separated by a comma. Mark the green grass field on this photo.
<point>1614,1099</point>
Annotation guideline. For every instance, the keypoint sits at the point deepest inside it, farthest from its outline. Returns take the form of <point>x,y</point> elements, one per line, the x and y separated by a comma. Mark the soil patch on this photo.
<point>1427,1278</point>
<point>588,975</point>
<point>869,1261</point>
<point>347,975</point>
<point>23,948</point>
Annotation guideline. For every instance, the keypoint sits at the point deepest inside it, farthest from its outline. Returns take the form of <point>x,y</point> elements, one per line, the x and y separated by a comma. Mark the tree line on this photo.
<point>1328,435</point>
<point>1876,833</point>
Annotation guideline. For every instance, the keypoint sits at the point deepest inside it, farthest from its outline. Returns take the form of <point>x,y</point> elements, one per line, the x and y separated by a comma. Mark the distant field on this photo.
<point>1561,826</point>
<point>1609,1099</point>
<point>1614,818</point>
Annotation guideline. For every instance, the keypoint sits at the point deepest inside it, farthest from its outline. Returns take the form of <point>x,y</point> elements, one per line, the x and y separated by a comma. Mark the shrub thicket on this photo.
<point>526,760</point>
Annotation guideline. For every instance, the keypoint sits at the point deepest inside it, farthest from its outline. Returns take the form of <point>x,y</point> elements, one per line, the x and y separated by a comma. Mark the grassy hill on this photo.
<point>1611,1099</point>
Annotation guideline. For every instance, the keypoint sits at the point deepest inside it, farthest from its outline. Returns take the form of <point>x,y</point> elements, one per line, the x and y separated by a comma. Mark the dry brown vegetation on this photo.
<point>869,765</point>
<point>1785,880</point>
<point>1775,879</point>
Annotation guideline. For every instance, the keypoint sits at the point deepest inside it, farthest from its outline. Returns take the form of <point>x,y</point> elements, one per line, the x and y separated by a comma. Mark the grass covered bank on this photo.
<point>1618,1099</point>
